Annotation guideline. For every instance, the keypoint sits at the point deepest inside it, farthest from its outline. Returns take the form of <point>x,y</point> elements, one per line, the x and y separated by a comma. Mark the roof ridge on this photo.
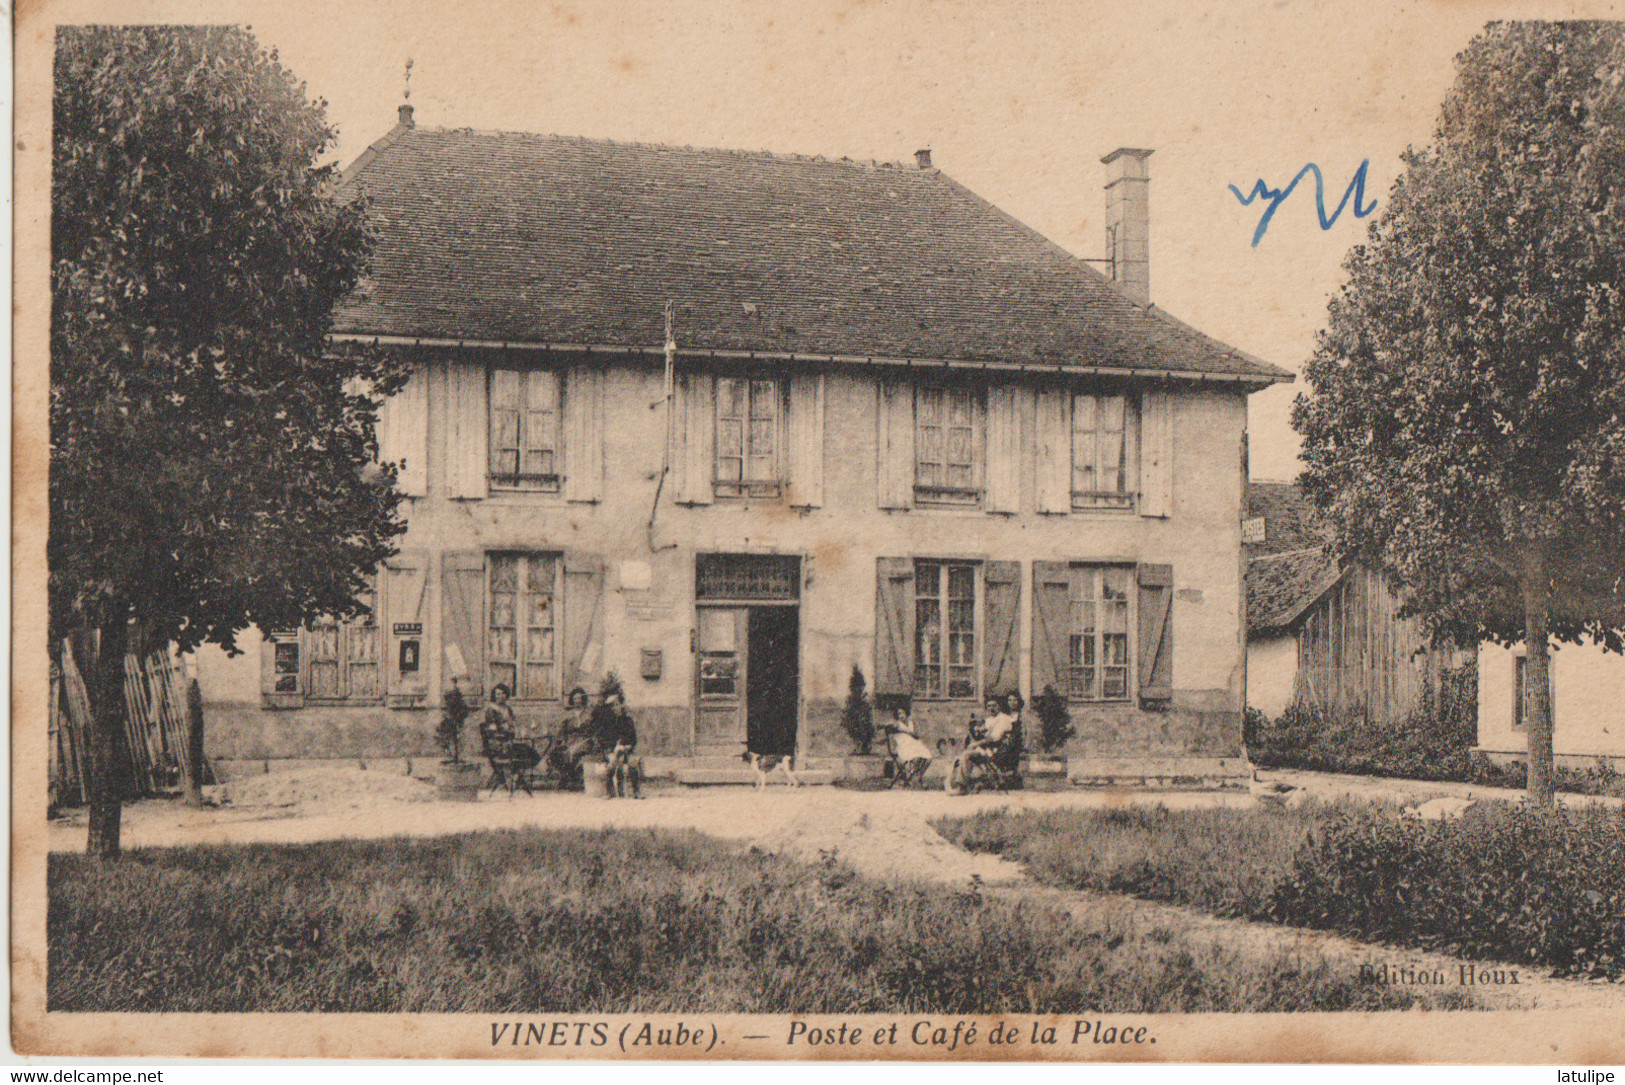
<point>872,164</point>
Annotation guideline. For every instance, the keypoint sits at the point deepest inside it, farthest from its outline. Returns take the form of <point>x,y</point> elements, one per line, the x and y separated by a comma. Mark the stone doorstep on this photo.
<point>712,777</point>
<point>1204,773</point>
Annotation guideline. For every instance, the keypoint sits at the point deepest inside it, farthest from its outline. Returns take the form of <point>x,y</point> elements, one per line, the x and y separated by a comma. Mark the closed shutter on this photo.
<point>1156,632</point>
<point>1052,626</point>
<point>1003,449</point>
<point>403,432</point>
<point>584,433</point>
<point>405,602</point>
<point>462,619</point>
<point>807,440</point>
<point>1001,644</point>
<point>1156,454</point>
<point>894,625</point>
<point>694,459</point>
<point>583,621</point>
<point>1054,442</point>
<point>894,444</point>
<point>466,431</point>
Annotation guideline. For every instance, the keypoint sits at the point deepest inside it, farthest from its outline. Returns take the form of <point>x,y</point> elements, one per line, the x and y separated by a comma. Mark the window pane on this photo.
<point>730,437</point>
<point>763,399</point>
<point>928,406</point>
<point>505,388</point>
<point>730,398</point>
<point>962,582</point>
<point>504,572</point>
<point>539,576</point>
<point>928,631</point>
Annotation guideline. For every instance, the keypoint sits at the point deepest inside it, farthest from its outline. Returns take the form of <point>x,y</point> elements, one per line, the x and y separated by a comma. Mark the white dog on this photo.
<point>765,763</point>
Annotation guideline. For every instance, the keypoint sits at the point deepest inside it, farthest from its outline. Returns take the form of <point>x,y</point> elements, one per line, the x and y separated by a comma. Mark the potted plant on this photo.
<point>858,721</point>
<point>457,779</point>
<point>1054,729</point>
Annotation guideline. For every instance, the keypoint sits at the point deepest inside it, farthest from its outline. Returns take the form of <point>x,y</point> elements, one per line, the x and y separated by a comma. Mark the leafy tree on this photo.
<point>1465,431</point>
<point>210,456</point>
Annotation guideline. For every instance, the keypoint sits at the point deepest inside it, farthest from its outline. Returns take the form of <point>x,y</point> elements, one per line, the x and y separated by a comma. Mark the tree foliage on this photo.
<point>210,457</point>
<point>1466,425</point>
<point>208,452</point>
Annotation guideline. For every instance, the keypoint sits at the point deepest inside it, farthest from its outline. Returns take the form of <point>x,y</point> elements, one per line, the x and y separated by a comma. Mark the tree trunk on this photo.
<point>194,744</point>
<point>1537,683</point>
<point>105,768</point>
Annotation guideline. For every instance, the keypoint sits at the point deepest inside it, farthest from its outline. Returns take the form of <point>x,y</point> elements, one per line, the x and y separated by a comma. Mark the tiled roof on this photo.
<point>1281,586</point>
<point>1290,519</point>
<point>498,236</point>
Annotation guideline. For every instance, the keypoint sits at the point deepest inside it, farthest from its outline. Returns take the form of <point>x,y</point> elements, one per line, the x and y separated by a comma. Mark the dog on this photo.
<point>765,763</point>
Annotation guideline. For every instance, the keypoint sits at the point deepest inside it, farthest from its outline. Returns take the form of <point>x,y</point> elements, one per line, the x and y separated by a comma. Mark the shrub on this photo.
<point>1513,883</point>
<point>1054,720</point>
<point>1516,883</point>
<point>858,715</point>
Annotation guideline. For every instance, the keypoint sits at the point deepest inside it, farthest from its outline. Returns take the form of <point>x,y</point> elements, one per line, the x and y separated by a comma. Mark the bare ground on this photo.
<point>883,834</point>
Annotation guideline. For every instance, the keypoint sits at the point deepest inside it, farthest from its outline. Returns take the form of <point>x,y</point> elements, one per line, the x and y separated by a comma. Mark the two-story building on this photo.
<point>891,427</point>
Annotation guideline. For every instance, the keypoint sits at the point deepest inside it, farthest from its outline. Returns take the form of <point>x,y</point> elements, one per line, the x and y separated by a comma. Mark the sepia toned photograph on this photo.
<point>667,531</point>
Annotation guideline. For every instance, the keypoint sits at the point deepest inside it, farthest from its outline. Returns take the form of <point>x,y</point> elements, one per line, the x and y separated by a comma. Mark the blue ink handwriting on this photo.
<point>1276,196</point>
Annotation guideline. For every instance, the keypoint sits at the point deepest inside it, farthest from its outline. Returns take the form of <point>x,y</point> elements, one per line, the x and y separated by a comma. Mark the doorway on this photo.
<point>748,649</point>
<point>749,680</point>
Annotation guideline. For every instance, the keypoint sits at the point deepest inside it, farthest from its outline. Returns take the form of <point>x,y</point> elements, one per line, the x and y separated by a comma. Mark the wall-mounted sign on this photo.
<point>409,657</point>
<point>409,629</point>
<point>1252,531</point>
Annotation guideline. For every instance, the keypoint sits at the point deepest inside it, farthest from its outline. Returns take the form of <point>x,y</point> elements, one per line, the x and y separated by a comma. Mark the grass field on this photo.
<point>1505,882</point>
<point>618,921</point>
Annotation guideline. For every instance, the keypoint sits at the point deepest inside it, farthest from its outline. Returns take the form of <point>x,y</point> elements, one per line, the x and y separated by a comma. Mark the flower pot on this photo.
<point>459,781</point>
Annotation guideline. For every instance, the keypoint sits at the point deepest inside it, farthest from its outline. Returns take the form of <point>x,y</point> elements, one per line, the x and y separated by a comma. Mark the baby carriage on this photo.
<point>981,766</point>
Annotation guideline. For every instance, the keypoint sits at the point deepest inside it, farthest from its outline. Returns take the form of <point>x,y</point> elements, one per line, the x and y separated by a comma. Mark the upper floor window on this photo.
<point>749,437</point>
<point>947,445</point>
<point>1100,452</point>
<point>1099,669</point>
<point>945,629</point>
<point>522,621</point>
<point>525,443</point>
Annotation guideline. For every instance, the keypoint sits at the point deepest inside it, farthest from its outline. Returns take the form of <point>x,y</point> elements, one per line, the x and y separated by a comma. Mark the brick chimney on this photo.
<point>406,115</point>
<point>1128,221</point>
<point>922,158</point>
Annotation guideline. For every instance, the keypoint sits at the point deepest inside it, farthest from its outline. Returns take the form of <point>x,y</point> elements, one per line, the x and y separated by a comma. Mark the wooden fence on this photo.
<point>154,747</point>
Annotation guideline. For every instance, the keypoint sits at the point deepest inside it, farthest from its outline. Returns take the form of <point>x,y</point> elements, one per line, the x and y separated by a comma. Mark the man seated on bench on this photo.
<point>618,737</point>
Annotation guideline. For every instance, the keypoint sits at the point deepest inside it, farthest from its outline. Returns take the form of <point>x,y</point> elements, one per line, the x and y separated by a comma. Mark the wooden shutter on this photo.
<point>462,618</point>
<point>1156,632</point>
<point>1003,449</point>
<point>405,600</point>
<point>584,433</point>
<point>467,430</point>
<point>807,440</point>
<point>1001,644</point>
<point>403,433</point>
<point>894,444</point>
<point>1156,454</point>
<point>1053,421</point>
<point>694,458</point>
<point>1052,625</point>
<point>894,625</point>
<point>583,621</point>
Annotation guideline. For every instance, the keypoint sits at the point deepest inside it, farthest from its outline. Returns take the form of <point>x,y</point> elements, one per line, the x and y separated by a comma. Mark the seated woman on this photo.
<point>617,737</point>
<point>497,729</point>
<point>575,740</point>
<point>912,756</point>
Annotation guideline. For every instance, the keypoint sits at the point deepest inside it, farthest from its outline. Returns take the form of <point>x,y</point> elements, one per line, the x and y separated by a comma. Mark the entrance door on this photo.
<point>770,685</point>
<point>724,670</point>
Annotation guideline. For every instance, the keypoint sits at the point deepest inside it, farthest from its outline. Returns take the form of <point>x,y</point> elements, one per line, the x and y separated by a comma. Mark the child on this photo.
<point>913,757</point>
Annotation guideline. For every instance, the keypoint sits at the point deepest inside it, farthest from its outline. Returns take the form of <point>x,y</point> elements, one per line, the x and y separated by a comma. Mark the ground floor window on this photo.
<point>1099,663</point>
<point>945,629</point>
<point>522,592</point>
